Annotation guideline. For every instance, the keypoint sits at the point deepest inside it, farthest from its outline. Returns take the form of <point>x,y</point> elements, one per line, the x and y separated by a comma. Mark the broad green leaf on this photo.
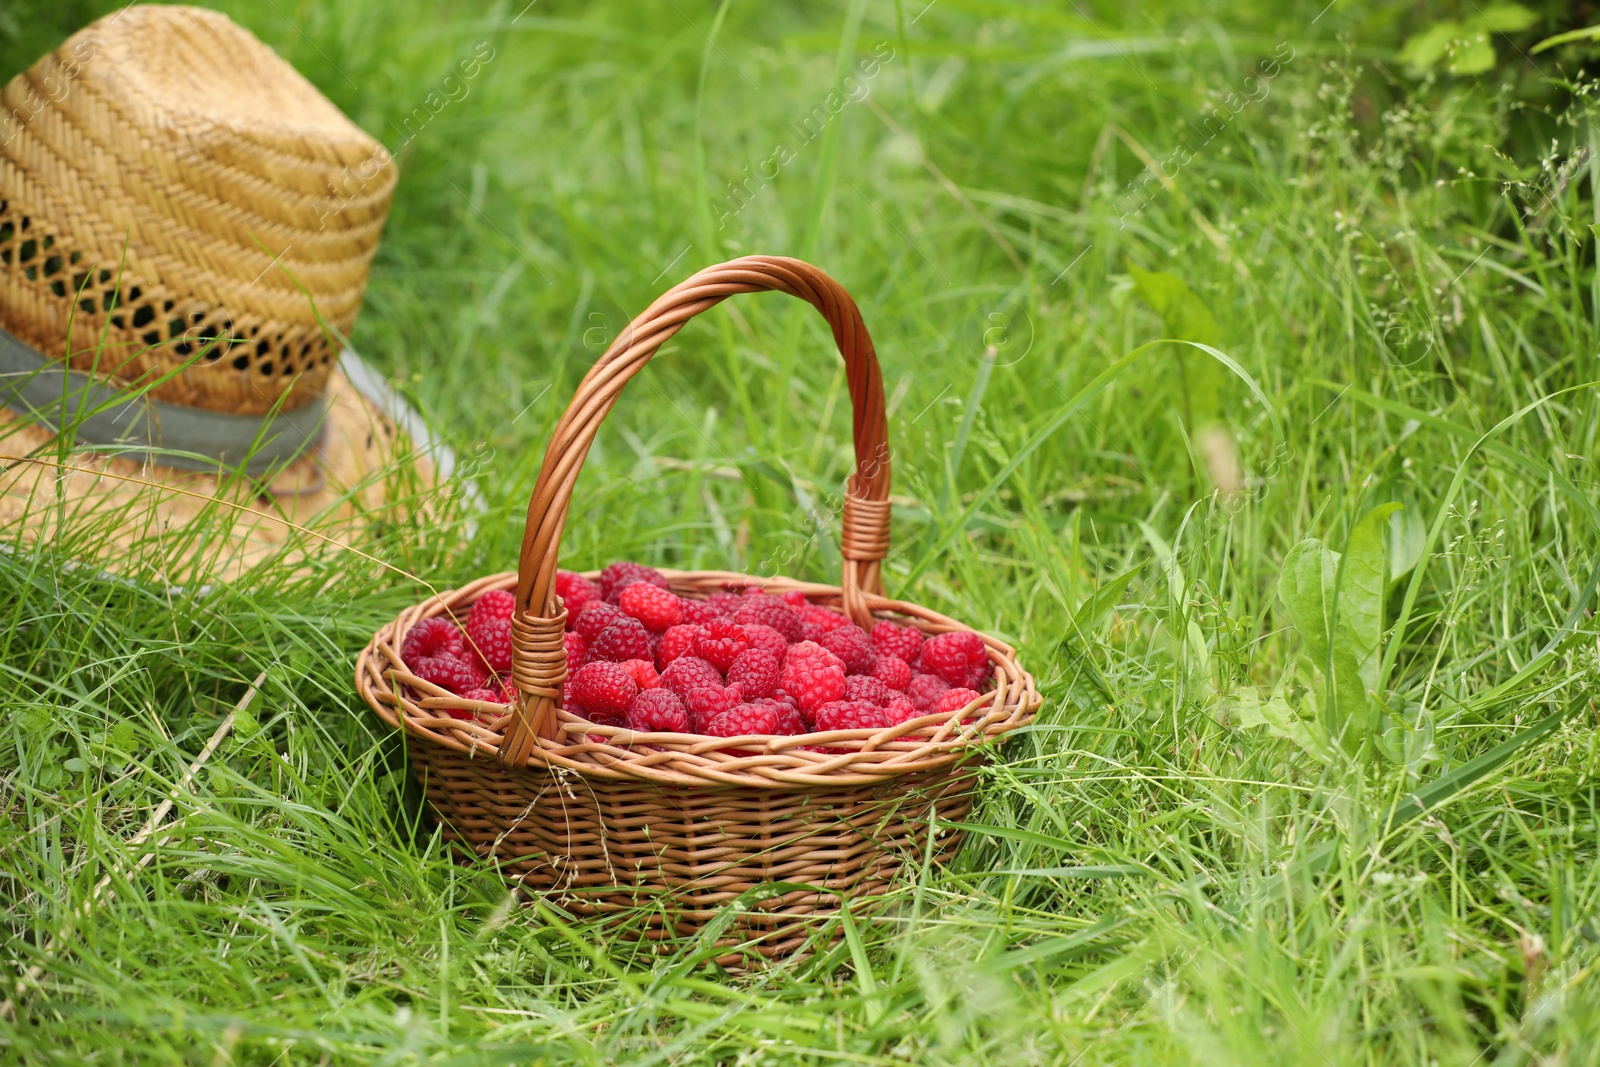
<point>1471,55</point>
<point>1199,654</point>
<point>1247,707</point>
<point>1505,18</point>
<point>1406,536</point>
<point>1423,50</point>
<point>1303,585</point>
<point>1363,584</point>
<point>1097,607</point>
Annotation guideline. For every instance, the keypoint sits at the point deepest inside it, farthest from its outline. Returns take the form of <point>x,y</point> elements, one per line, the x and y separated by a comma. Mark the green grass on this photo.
<point>1398,264</point>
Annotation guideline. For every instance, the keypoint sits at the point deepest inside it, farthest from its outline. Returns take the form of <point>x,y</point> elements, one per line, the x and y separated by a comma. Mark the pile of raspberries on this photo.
<point>733,665</point>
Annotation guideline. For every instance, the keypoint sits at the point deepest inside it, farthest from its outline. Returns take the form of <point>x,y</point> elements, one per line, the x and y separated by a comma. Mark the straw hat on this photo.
<point>186,229</point>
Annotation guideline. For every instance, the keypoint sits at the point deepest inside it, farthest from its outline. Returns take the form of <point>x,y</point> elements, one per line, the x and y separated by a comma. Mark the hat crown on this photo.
<point>168,182</point>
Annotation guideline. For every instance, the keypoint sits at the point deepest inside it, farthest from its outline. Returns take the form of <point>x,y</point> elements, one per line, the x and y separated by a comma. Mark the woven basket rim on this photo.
<point>617,753</point>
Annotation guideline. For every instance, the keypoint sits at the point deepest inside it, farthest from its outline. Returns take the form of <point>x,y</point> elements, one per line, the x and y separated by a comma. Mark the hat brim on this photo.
<point>147,517</point>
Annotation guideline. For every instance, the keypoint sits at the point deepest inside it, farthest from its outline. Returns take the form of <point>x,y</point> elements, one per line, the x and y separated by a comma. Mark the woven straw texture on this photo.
<point>678,824</point>
<point>167,181</point>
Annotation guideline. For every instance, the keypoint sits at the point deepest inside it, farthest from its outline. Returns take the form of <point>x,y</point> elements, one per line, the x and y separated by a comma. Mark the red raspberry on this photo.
<point>617,577</point>
<point>454,673</point>
<point>816,620</point>
<point>790,724</point>
<point>698,611</point>
<point>900,709</point>
<point>489,628</point>
<point>892,671</point>
<point>810,678</point>
<point>594,619</point>
<point>576,593</point>
<point>757,670</point>
<point>602,692</point>
<point>644,673</point>
<point>721,643</point>
<point>725,603</point>
<point>794,598</point>
<point>708,701</point>
<point>677,641</point>
<point>850,715</point>
<point>769,611</point>
<point>658,710</point>
<point>902,641</point>
<point>623,640</point>
<point>766,637</point>
<point>689,672</point>
<point>743,720</point>
<point>955,699</point>
<point>811,654</point>
<point>866,687</point>
<point>577,650</point>
<point>656,608</point>
<point>436,636</point>
<point>854,649</point>
<point>508,690</point>
<point>960,658</point>
<point>488,696</point>
<point>925,691</point>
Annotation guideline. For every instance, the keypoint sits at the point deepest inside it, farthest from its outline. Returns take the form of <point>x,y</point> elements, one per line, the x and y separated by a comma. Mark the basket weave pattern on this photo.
<point>129,212</point>
<point>612,819</point>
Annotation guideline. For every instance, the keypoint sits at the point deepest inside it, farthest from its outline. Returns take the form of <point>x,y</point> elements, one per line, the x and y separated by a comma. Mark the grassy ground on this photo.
<point>1187,866</point>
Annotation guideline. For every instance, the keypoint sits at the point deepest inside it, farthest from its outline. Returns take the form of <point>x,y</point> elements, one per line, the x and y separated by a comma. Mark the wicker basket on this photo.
<point>679,825</point>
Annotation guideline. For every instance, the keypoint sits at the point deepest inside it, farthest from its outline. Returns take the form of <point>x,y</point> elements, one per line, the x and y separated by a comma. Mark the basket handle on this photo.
<point>539,656</point>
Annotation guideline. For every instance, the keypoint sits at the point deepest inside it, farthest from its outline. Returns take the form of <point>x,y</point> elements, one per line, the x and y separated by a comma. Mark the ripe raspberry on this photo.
<point>577,650</point>
<point>850,715</point>
<point>623,640</point>
<point>955,699</point>
<point>658,710</point>
<point>617,577</point>
<point>960,658</point>
<point>656,608</point>
<point>437,636</point>
<point>644,673</point>
<point>854,649</point>
<point>892,671</point>
<point>602,692</point>
<point>698,611</point>
<point>594,619</point>
<point>454,673</point>
<point>900,709</point>
<point>790,724</point>
<point>811,654</point>
<point>769,611</point>
<point>576,593</point>
<point>488,696</point>
<point>902,641</point>
<point>489,629</point>
<point>812,675</point>
<point>925,691</point>
<point>757,670</point>
<point>708,701</point>
<point>794,598</point>
<point>866,687</point>
<point>766,637</point>
<point>725,603</point>
<point>743,720</point>
<point>507,688</point>
<point>721,643</point>
<point>677,641</point>
<point>816,620</point>
<point>689,672</point>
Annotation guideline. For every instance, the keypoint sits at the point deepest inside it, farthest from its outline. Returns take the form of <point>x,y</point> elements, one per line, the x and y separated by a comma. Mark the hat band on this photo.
<point>144,428</point>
